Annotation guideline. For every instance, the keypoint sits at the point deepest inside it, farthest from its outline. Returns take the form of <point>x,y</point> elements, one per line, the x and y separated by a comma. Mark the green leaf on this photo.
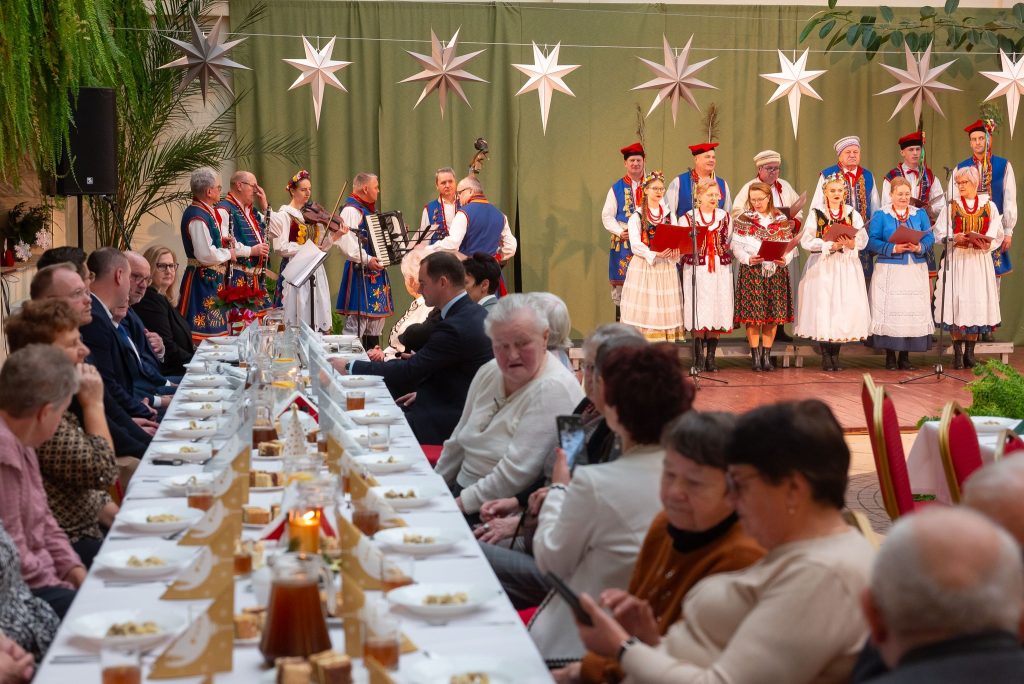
<point>912,42</point>
<point>809,27</point>
<point>887,13</point>
<point>897,38</point>
<point>836,39</point>
<point>927,12</point>
<point>951,6</point>
<point>832,4</point>
<point>1018,11</point>
<point>1006,45</point>
<point>973,38</point>
<point>827,28</point>
<point>852,33</point>
<point>867,36</point>
<point>1019,45</point>
<point>991,38</point>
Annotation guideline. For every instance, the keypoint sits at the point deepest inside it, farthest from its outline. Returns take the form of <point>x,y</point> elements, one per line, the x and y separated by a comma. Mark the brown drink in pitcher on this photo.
<point>263,433</point>
<point>295,623</point>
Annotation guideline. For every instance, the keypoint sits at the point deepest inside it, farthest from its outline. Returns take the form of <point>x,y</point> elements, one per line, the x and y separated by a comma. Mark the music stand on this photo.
<point>695,374</point>
<point>305,263</point>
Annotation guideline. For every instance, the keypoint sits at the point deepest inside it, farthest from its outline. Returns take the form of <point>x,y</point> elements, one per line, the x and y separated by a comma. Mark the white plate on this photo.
<point>360,380</point>
<point>177,483</point>
<point>204,380</point>
<point>374,416</point>
<point>340,339</point>
<point>441,670</point>
<point>394,537</point>
<point>993,423</point>
<point>94,626</point>
<point>200,409</point>
<point>411,598</point>
<point>174,450</point>
<point>424,493</point>
<point>173,556</point>
<point>377,463</point>
<point>183,429</point>
<point>136,517</point>
<point>219,354</point>
<point>205,395</point>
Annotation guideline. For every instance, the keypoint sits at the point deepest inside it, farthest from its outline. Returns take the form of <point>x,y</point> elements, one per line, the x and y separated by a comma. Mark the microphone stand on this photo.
<point>938,371</point>
<point>117,218</point>
<point>695,373</point>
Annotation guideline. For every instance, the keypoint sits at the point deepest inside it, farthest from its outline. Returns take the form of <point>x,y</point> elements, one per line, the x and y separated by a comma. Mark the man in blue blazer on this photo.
<point>433,383</point>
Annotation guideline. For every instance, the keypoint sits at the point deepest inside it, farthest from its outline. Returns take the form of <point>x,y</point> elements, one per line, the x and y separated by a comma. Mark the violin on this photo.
<point>315,214</point>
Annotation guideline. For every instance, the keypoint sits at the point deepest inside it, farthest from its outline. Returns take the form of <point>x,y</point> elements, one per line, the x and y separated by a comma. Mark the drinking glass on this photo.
<point>199,494</point>
<point>120,666</point>
<point>378,437</point>
<point>396,571</point>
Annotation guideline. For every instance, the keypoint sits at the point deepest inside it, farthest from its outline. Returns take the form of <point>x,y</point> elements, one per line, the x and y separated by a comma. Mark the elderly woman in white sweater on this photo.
<point>507,426</point>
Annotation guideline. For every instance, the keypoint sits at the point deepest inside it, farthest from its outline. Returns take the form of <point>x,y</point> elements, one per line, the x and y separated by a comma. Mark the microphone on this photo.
<point>949,171</point>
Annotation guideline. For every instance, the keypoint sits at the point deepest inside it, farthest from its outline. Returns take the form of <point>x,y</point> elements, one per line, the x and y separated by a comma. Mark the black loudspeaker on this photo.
<point>89,165</point>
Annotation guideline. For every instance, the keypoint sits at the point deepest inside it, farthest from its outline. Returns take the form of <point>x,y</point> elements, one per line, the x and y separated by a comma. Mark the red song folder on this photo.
<point>838,230</point>
<point>907,235</point>
<point>668,236</point>
<point>776,249</point>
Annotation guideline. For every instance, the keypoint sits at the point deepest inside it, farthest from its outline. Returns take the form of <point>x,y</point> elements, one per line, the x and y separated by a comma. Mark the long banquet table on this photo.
<point>495,631</point>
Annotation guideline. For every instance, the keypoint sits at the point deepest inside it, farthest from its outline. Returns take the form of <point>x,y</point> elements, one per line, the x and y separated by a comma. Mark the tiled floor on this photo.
<point>862,494</point>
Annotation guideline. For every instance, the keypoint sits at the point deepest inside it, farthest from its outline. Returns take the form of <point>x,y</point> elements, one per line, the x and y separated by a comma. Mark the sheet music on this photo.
<point>303,264</point>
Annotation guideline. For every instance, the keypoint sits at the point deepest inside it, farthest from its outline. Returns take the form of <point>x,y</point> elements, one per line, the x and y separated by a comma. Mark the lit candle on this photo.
<point>304,530</point>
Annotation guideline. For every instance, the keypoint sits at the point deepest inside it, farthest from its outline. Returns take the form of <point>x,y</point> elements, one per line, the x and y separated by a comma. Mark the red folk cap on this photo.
<point>631,150</point>
<point>978,125</point>
<point>702,148</point>
<point>912,139</point>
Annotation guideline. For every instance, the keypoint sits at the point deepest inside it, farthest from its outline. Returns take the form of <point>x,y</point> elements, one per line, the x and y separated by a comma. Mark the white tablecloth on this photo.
<point>924,464</point>
<point>495,630</point>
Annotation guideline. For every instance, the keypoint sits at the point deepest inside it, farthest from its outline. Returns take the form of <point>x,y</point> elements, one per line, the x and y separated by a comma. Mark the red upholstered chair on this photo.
<point>432,452</point>
<point>958,447</point>
<point>526,614</point>
<point>1009,444</point>
<point>887,447</point>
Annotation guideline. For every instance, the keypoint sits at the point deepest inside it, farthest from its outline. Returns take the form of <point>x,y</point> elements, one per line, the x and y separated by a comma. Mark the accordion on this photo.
<point>389,237</point>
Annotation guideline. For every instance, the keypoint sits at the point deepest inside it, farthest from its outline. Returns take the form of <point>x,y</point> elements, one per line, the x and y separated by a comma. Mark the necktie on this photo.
<point>123,332</point>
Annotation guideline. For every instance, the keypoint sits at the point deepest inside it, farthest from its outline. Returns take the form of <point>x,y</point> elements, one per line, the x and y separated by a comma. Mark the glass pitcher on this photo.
<point>296,625</point>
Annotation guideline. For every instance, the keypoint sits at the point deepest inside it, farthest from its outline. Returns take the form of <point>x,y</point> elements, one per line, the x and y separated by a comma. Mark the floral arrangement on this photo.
<point>240,297</point>
<point>26,228</point>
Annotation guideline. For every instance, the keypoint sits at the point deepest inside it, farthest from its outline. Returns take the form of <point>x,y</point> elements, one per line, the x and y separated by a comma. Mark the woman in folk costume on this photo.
<point>833,299</point>
<point>289,231</point>
<point>651,301</point>
<point>712,273</point>
<point>901,319</point>
<point>967,304</point>
<point>764,298</point>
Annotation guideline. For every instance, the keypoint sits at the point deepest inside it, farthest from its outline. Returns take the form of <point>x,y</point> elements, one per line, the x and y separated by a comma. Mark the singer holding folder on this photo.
<point>651,301</point>
<point>901,317</point>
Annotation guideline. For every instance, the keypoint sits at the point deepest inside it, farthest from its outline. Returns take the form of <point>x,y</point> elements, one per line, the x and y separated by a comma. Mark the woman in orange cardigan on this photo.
<point>697,534</point>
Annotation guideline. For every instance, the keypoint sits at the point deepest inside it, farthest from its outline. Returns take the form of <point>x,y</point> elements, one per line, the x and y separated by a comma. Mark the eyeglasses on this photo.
<point>735,484</point>
<point>167,267</point>
<point>770,169</point>
<point>252,185</point>
<point>462,190</point>
<point>139,278</point>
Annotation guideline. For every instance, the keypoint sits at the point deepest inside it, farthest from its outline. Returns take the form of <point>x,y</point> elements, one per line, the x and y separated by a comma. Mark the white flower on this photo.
<point>43,239</point>
<point>22,251</point>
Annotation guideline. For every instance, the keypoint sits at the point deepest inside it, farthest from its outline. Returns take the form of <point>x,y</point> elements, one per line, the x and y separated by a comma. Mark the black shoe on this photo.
<point>969,360</point>
<point>904,362</point>
<point>618,314</point>
<point>958,355</point>
<point>890,360</point>
<point>826,358</point>
<point>987,337</point>
<point>835,357</point>
<point>698,354</point>
<point>766,359</point>
<point>711,346</point>
<point>755,359</point>
<point>781,335</point>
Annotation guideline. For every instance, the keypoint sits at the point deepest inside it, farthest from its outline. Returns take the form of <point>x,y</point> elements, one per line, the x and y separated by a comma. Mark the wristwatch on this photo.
<point>626,645</point>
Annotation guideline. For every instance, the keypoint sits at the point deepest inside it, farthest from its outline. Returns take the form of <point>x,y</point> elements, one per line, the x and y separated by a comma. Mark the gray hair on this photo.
<point>949,570</point>
<point>474,183</point>
<point>968,172</point>
<point>362,179</point>
<point>613,343</point>
<point>444,169</point>
<point>34,376</point>
<point>997,491</point>
<point>513,306</point>
<point>603,333</point>
<point>552,306</point>
<point>202,180</point>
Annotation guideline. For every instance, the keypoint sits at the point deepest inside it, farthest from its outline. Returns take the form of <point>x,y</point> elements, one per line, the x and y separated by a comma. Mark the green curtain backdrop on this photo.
<point>552,186</point>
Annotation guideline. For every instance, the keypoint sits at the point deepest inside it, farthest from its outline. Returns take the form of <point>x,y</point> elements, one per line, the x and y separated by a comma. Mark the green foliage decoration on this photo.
<point>997,390</point>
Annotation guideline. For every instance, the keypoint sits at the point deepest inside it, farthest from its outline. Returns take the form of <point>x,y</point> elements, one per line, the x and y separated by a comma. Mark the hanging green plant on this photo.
<point>997,390</point>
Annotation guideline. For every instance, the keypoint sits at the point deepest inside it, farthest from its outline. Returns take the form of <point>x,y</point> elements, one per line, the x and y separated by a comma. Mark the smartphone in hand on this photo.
<point>570,597</point>
<point>571,438</point>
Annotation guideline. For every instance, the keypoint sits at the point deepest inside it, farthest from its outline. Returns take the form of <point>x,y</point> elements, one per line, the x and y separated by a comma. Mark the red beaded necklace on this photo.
<point>838,216</point>
<point>900,218</point>
<point>977,201</point>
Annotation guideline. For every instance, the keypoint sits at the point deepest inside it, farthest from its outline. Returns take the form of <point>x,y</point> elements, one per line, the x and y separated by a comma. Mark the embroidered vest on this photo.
<point>485,223</point>
<point>992,179</point>
<point>687,182</point>
<point>193,212</point>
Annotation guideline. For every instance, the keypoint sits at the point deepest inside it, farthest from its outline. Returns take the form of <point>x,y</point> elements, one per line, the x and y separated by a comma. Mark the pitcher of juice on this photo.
<point>296,625</point>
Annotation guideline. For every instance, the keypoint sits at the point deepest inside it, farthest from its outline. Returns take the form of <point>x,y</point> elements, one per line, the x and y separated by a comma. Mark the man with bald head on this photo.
<point>945,600</point>
<point>147,348</point>
<point>63,281</point>
<point>997,491</point>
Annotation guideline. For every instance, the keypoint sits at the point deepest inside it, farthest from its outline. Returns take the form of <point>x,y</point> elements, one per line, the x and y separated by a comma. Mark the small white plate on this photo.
<point>424,493</point>
<point>93,627</point>
<point>993,423</point>
<point>378,463</point>
<point>412,598</point>
<point>189,429</point>
<point>219,354</point>
<point>374,416</point>
<point>442,670</point>
<point>394,538</point>
<point>176,483</point>
<point>187,451</point>
<point>360,380</point>
<point>204,380</point>
<point>172,556</point>
<point>225,341</point>
<point>205,395</point>
<point>137,518</point>
<point>198,409</point>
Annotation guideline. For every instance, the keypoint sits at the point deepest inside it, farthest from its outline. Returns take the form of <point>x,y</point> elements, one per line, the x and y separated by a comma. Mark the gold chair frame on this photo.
<point>877,433</point>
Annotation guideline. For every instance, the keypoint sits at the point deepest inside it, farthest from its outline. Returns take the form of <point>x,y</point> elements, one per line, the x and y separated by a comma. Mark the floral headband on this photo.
<point>651,177</point>
<point>836,177</point>
<point>297,178</point>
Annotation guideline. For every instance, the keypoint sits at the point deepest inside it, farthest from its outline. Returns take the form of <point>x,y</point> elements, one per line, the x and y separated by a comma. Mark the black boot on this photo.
<point>782,336</point>
<point>904,362</point>
<point>618,313</point>
<point>969,360</point>
<point>698,354</point>
<point>987,337</point>
<point>826,356</point>
<point>755,359</point>
<point>958,354</point>
<point>711,346</point>
<point>890,360</point>
<point>835,356</point>
<point>766,359</point>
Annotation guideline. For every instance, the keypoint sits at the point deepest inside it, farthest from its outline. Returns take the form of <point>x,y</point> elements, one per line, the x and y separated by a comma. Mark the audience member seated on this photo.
<point>158,311</point>
<point>16,666</point>
<point>557,312</point>
<point>483,276</point>
<point>78,463</point>
<point>416,314</point>
<point>507,427</point>
<point>594,519</point>
<point>432,384</point>
<point>60,255</point>
<point>36,385</point>
<point>792,617</point>
<point>26,619</point>
<point>110,354</point>
<point>696,535</point>
<point>146,345</point>
<point>945,600</point>
<point>62,281</point>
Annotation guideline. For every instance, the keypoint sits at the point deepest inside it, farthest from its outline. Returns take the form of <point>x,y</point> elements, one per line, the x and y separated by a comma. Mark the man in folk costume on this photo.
<point>680,191</point>
<point>625,195</point>
<point>769,164</point>
<point>365,292</point>
<point>207,259</point>
<point>247,226</point>
<point>925,192</point>
<point>439,212</point>
<point>861,192</point>
<point>478,226</point>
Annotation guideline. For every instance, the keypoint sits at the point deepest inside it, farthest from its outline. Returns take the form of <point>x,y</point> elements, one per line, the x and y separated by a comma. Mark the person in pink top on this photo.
<point>36,385</point>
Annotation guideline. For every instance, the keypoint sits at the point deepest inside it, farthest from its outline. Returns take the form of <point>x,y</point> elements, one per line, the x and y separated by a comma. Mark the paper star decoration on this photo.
<point>317,71</point>
<point>917,82</point>
<point>1009,82</point>
<point>674,78</point>
<point>546,76</point>
<point>443,70</point>
<point>204,57</point>
<point>794,81</point>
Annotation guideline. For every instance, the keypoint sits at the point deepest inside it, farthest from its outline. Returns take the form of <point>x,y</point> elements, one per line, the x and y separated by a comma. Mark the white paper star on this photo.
<point>917,82</point>
<point>674,78</point>
<point>318,70</point>
<point>546,76</point>
<point>1009,82</point>
<point>794,81</point>
<point>442,70</point>
<point>204,57</point>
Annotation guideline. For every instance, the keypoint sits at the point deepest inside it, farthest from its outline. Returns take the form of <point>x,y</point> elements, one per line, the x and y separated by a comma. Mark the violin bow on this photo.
<point>341,196</point>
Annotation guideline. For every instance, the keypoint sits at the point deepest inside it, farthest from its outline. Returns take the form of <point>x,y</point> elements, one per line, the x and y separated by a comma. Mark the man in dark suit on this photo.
<point>433,383</point>
<point>147,347</point>
<point>945,600</point>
